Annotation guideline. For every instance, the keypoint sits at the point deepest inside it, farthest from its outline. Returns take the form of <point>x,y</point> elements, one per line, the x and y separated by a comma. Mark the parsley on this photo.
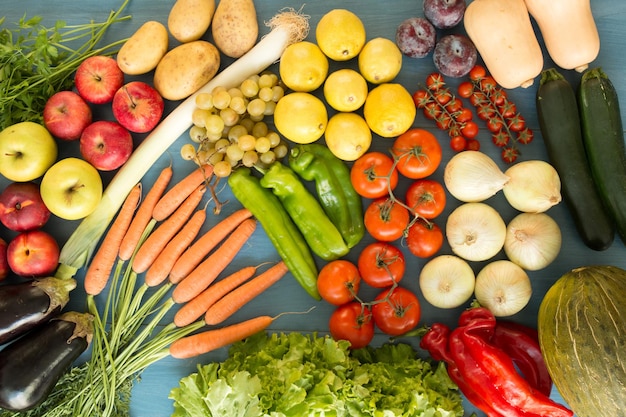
<point>37,61</point>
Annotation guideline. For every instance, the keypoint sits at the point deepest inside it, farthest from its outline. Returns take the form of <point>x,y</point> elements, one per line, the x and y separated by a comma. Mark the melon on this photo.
<point>582,333</point>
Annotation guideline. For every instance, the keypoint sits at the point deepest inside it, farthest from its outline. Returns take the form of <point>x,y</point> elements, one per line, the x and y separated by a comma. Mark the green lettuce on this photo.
<point>295,375</point>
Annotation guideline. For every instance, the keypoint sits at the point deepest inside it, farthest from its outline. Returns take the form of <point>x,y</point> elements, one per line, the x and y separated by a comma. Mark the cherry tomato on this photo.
<point>495,124</point>
<point>477,72</point>
<point>473,145</point>
<point>517,123</point>
<point>418,152</point>
<point>338,282</point>
<point>501,138</point>
<point>458,143</point>
<point>432,110</point>
<point>470,130</point>
<point>488,83</point>
<point>396,311</point>
<point>386,220</point>
<point>486,112</point>
<point>498,97</point>
<point>465,89</point>
<point>435,81</point>
<point>464,115</point>
<point>381,264</point>
<point>509,154</point>
<point>421,98</point>
<point>372,174</point>
<point>426,197</point>
<point>507,109</point>
<point>454,106</point>
<point>525,136</point>
<point>443,96</point>
<point>352,322</point>
<point>424,239</point>
<point>444,121</point>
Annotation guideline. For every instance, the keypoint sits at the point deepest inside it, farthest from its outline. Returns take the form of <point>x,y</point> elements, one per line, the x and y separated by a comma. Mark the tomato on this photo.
<point>435,81</point>
<point>443,96</point>
<point>495,124</point>
<point>486,112</point>
<point>509,154</point>
<point>372,174</point>
<point>426,197</point>
<point>501,138</point>
<point>517,123</point>
<point>338,282</point>
<point>473,145</point>
<point>465,89</point>
<point>464,115</point>
<point>421,98</point>
<point>458,143</point>
<point>432,110</point>
<point>525,136</point>
<point>386,220</point>
<point>396,311</point>
<point>488,83</point>
<point>470,130</point>
<point>352,322</point>
<point>454,105</point>
<point>498,97</point>
<point>424,239</point>
<point>477,72</point>
<point>507,109</point>
<point>381,264</point>
<point>418,152</point>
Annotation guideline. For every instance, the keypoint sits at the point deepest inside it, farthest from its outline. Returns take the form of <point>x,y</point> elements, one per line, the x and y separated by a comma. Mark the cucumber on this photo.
<point>559,122</point>
<point>603,136</point>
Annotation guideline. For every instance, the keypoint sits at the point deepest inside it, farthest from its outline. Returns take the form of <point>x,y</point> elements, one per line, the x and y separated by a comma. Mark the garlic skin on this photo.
<point>503,287</point>
<point>447,281</point>
<point>534,186</point>
<point>533,240</point>
<point>475,231</point>
<point>472,176</point>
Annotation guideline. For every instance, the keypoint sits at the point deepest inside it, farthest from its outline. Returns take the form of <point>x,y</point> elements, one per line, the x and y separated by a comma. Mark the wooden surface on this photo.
<point>381,19</point>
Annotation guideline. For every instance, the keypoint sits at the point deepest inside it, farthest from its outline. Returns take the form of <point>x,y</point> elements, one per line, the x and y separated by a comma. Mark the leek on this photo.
<point>287,27</point>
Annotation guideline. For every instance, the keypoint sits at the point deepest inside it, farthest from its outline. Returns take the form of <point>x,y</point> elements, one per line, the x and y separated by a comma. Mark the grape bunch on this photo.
<point>229,128</point>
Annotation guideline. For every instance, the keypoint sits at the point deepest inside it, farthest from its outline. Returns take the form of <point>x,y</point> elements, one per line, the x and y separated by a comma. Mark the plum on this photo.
<point>444,14</point>
<point>416,37</point>
<point>455,55</point>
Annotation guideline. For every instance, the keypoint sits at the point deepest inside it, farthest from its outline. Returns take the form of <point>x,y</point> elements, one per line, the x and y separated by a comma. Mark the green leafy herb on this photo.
<point>298,375</point>
<point>37,61</point>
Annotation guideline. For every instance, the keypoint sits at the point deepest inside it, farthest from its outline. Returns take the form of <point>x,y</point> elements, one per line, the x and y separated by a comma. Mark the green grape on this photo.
<point>236,132</point>
<point>214,124</point>
<point>222,169</point>
<point>204,101</point>
<point>188,152</point>
<point>267,157</point>
<point>256,107</point>
<point>266,94</point>
<point>281,150</point>
<point>221,145</point>
<point>274,138</point>
<point>279,92</point>
<point>221,99</point>
<point>235,92</point>
<point>247,142</point>
<point>239,105</point>
<point>270,107</point>
<point>198,117</point>
<point>250,158</point>
<point>262,144</point>
<point>218,88</point>
<point>229,116</point>
<point>248,123</point>
<point>266,80</point>
<point>234,152</point>
<point>257,118</point>
<point>215,157</point>
<point>260,129</point>
<point>214,137</point>
<point>197,133</point>
<point>249,88</point>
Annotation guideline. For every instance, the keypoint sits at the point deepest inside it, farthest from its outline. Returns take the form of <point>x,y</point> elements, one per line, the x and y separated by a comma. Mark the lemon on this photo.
<point>340,34</point>
<point>348,136</point>
<point>300,117</point>
<point>389,110</point>
<point>303,66</point>
<point>345,90</point>
<point>380,60</point>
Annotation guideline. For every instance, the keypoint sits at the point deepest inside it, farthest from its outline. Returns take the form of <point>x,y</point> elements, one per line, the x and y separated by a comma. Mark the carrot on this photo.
<point>240,296</point>
<point>207,341</point>
<point>160,268</point>
<point>179,192</point>
<point>101,264</point>
<point>192,257</point>
<point>144,214</point>
<point>205,273</point>
<point>155,243</point>
<point>196,307</point>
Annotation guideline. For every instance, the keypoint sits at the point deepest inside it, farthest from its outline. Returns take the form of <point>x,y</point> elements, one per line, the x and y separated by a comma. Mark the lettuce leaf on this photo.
<point>294,374</point>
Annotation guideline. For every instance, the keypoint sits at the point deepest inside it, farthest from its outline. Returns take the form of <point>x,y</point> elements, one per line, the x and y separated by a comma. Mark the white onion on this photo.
<point>475,231</point>
<point>503,287</point>
<point>472,176</point>
<point>534,186</point>
<point>533,240</point>
<point>447,281</point>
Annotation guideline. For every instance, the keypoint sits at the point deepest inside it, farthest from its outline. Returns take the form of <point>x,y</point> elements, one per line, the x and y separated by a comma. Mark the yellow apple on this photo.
<point>71,188</point>
<point>27,150</point>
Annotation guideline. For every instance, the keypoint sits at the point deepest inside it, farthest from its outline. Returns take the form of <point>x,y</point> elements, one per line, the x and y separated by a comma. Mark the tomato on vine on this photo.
<point>424,239</point>
<point>373,174</point>
<point>477,72</point>
<point>426,198</point>
<point>381,264</point>
<point>352,322</point>
<point>386,219</point>
<point>396,311</point>
<point>458,143</point>
<point>418,153</point>
<point>338,282</point>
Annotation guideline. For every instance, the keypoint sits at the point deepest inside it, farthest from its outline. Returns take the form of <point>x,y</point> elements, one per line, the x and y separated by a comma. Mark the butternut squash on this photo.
<point>568,30</point>
<point>506,41</point>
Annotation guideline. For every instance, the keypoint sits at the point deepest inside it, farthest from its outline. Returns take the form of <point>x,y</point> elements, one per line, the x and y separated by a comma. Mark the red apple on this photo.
<point>22,208</point>
<point>4,263</point>
<point>97,79</point>
<point>106,145</point>
<point>66,114</point>
<point>33,254</point>
<point>138,107</point>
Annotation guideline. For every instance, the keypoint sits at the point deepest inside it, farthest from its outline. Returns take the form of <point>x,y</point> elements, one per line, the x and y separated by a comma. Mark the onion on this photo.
<point>447,281</point>
<point>533,240</point>
<point>475,231</point>
<point>534,186</point>
<point>503,287</point>
<point>472,176</point>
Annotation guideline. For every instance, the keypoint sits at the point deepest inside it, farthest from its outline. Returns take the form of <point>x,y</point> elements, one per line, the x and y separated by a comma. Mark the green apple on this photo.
<point>71,188</point>
<point>27,150</point>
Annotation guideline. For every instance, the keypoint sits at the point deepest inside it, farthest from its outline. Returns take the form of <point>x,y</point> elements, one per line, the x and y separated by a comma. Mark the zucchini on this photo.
<point>559,121</point>
<point>603,136</point>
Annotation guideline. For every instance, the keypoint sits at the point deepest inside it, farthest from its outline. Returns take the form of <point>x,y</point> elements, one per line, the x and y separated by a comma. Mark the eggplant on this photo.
<point>31,366</point>
<point>28,304</point>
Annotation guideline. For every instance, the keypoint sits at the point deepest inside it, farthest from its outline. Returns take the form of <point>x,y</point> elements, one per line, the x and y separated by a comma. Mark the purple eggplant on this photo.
<point>31,366</point>
<point>28,304</point>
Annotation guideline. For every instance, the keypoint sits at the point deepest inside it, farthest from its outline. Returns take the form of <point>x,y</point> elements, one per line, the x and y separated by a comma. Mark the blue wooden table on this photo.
<point>150,396</point>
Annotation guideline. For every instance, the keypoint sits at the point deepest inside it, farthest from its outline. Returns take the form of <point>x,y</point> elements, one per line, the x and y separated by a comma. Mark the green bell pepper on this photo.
<point>342,204</point>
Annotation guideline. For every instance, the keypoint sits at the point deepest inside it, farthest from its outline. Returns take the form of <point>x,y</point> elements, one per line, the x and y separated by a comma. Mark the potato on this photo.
<point>190,19</point>
<point>235,27</point>
<point>186,68</point>
<point>144,49</point>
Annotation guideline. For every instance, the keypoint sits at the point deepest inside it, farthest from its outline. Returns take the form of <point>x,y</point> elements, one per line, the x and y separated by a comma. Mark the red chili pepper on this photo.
<point>496,370</point>
<point>521,343</point>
